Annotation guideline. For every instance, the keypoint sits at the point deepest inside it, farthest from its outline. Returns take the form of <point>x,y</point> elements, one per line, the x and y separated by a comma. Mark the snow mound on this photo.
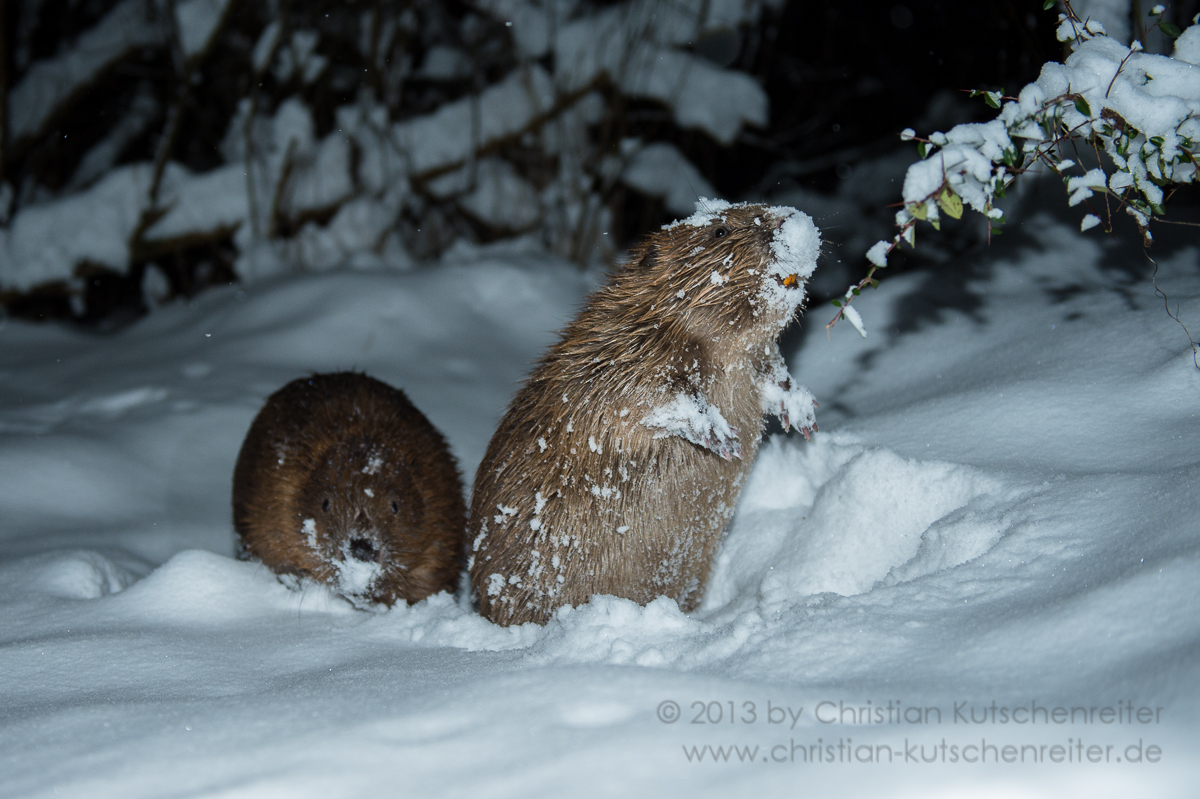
<point>621,632</point>
<point>842,518</point>
<point>203,588</point>
<point>83,575</point>
<point>867,519</point>
<point>440,621</point>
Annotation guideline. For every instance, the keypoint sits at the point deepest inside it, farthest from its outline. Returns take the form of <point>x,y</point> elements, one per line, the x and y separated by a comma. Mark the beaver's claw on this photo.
<point>727,446</point>
<point>785,419</point>
<point>792,404</point>
<point>805,431</point>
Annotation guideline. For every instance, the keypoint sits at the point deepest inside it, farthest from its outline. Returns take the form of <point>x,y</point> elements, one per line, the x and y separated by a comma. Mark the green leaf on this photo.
<point>855,292</point>
<point>837,303</point>
<point>1157,141</point>
<point>1170,29</point>
<point>1082,107</point>
<point>949,202</point>
<point>922,148</point>
<point>1048,4</point>
<point>996,231</point>
<point>990,99</point>
<point>937,224</point>
<point>917,211</point>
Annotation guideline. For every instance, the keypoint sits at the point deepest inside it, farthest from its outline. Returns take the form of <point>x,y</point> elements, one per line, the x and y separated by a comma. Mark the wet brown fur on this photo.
<point>597,468</point>
<point>317,440</point>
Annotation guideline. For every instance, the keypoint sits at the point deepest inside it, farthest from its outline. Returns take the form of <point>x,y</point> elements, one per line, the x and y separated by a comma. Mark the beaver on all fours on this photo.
<point>619,463</point>
<point>342,480</point>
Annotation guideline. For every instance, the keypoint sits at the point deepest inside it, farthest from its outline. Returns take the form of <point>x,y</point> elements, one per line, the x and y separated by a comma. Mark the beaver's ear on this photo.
<point>643,256</point>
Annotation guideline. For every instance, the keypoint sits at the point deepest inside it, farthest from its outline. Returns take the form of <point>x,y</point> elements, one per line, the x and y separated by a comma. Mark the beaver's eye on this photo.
<point>720,233</point>
<point>395,508</point>
<point>325,506</point>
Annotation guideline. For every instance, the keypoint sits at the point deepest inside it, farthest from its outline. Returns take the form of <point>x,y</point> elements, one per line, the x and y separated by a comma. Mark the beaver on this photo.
<point>620,460</point>
<point>342,480</point>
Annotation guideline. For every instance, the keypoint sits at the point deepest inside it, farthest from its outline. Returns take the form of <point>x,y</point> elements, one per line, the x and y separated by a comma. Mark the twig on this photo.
<point>1120,67</point>
<point>1175,315</point>
<point>285,174</point>
<point>4,56</point>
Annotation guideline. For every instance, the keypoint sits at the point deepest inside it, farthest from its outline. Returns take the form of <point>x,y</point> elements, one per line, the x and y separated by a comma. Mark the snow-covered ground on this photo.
<point>993,542</point>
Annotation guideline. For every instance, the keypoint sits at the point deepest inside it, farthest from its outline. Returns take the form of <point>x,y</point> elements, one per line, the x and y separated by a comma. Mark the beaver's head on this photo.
<point>361,518</point>
<point>727,271</point>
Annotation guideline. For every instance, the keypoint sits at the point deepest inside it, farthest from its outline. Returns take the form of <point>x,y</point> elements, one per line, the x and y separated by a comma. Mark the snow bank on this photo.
<point>637,45</point>
<point>33,249</point>
<point>44,87</point>
<point>449,135</point>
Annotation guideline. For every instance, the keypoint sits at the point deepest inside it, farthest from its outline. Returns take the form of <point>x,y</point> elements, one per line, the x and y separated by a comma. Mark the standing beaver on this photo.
<point>620,462</point>
<point>341,480</point>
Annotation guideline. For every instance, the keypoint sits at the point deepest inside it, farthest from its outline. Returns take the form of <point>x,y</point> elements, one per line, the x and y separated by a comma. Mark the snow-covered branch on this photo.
<point>1141,110</point>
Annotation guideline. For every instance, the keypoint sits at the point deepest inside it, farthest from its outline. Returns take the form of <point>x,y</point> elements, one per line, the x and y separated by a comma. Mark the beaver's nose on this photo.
<point>364,550</point>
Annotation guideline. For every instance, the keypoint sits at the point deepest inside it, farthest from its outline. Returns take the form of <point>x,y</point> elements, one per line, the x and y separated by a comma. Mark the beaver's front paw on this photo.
<point>695,419</point>
<point>792,403</point>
